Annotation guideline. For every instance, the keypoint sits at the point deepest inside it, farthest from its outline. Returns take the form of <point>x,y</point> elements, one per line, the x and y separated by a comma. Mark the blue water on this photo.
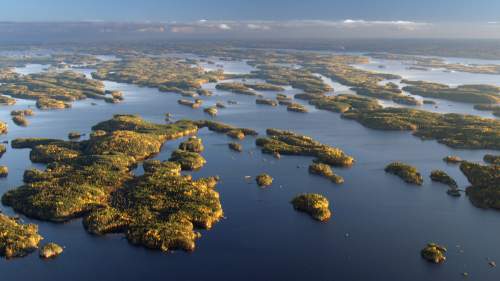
<point>378,227</point>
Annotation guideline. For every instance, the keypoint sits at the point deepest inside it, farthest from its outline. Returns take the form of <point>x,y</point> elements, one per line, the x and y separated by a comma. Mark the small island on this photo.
<point>325,171</point>
<point>235,87</point>
<point>434,253</point>
<point>452,159</point>
<point>235,146</point>
<point>406,172</point>
<point>266,102</point>
<point>50,251</point>
<point>290,143</point>
<point>4,171</point>
<point>316,205</point>
<point>212,111</point>
<point>17,239</point>
<point>20,120</point>
<point>444,178</point>
<point>264,180</point>
<point>296,107</point>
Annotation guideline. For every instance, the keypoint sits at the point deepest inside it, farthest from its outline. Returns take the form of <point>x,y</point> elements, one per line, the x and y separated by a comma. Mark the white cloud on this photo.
<point>350,26</point>
<point>255,26</point>
<point>365,22</point>
<point>224,26</point>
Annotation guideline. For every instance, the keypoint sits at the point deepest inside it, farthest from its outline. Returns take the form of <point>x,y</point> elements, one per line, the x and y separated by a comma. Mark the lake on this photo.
<point>377,230</point>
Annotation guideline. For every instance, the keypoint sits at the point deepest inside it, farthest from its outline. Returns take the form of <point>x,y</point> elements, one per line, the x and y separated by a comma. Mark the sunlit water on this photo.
<point>378,227</point>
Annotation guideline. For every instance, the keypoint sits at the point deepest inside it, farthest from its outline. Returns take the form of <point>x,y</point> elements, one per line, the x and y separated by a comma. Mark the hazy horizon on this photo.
<point>256,19</point>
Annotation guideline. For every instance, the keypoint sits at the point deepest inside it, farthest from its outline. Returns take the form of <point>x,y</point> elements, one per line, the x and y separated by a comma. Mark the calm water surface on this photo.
<point>378,227</point>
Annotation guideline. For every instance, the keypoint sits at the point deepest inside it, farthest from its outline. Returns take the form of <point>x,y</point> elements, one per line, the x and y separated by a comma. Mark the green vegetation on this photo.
<point>193,144</point>
<point>316,205</point>
<point>4,171</point>
<point>289,143</point>
<point>302,78</point>
<point>20,120</point>
<point>235,146</point>
<point>495,109</point>
<point>81,175</point>
<point>165,73</point>
<point>25,112</point>
<point>406,172</point>
<point>325,171</point>
<point>283,99</point>
<point>265,87</point>
<point>193,104</point>
<point>56,60</point>
<point>17,239</point>
<point>454,130</point>
<point>204,92</point>
<point>187,159</point>
<point>406,100</point>
<point>212,111</point>
<point>492,159</point>
<point>264,180</point>
<point>48,103</point>
<point>452,159</point>
<point>346,74</point>
<point>296,107</point>
<point>389,91</point>
<point>444,178</point>
<point>484,191</point>
<point>266,102</point>
<point>3,149</point>
<point>343,103</point>
<point>485,94</point>
<point>63,87</point>
<point>3,127</point>
<point>233,132</point>
<point>434,253</point>
<point>50,250</point>
<point>424,63</point>
<point>159,210</point>
<point>235,87</point>
<point>4,100</point>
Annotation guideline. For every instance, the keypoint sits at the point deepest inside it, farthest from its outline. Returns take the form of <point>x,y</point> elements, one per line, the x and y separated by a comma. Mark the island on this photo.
<point>290,143</point>
<point>17,239</point>
<point>434,253</point>
<point>475,94</point>
<point>484,191</point>
<point>406,172</point>
<point>93,179</point>
<point>50,251</point>
<point>51,89</point>
<point>325,171</point>
<point>316,205</point>
<point>264,180</point>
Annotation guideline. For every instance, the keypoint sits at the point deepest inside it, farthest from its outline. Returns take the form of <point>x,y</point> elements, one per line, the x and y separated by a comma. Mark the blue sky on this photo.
<point>190,10</point>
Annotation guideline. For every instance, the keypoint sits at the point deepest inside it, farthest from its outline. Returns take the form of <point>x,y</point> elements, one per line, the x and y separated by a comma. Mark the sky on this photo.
<point>258,18</point>
<point>279,10</point>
